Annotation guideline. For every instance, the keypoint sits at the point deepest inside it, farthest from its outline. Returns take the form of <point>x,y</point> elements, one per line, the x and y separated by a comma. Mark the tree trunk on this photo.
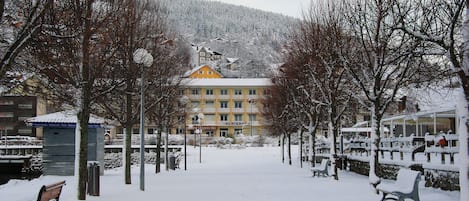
<point>83,114</point>
<point>373,178</point>
<point>158,153</point>
<point>289,149</point>
<point>462,105</point>
<point>128,151</point>
<point>300,133</point>
<point>333,154</point>
<point>282,141</point>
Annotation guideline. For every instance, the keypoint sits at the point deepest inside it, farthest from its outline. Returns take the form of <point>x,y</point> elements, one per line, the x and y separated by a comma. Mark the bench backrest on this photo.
<point>407,180</point>
<point>324,163</point>
<point>50,192</point>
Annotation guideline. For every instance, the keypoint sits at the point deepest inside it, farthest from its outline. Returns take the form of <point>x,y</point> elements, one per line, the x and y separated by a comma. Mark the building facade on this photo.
<point>13,111</point>
<point>229,106</point>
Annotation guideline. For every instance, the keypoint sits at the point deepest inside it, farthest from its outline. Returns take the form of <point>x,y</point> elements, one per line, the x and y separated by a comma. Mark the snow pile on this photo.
<point>254,173</point>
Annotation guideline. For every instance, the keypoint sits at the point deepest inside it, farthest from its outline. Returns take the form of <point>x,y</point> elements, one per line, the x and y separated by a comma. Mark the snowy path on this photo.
<point>224,175</point>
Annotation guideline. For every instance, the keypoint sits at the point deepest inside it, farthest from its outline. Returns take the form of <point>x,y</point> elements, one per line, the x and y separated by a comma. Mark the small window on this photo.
<point>223,104</point>
<point>25,106</point>
<point>223,117</point>
<point>238,104</point>
<point>6,114</point>
<point>195,91</point>
<point>252,117</point>
<point>6,102</point>
<point>238,92</point>
<point>210,72</point>
<point>223,92</point>
<point>209,92</point>
<point>238,117</point>
<point>201,72</point>
<point>252,92</point>
<point>266,92</point>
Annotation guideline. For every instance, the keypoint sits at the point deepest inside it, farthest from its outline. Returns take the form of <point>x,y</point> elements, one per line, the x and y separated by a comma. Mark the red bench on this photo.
<point>51,191</point>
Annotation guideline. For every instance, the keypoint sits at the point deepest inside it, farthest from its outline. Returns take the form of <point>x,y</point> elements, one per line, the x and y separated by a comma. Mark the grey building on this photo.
<point>59,141</point>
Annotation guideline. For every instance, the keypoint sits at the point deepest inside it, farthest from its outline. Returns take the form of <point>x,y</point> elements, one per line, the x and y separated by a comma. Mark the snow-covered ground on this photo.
<point>224,174</point>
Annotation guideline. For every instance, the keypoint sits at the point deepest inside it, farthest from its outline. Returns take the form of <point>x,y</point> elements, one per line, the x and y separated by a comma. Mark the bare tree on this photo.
<point>74,51</point>
<point>19,22</point>
<point>384,61</point>
<point>316,62</point>
<point>442,27</point>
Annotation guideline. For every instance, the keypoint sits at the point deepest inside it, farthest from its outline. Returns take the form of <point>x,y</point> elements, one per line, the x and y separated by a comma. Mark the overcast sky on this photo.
<point>292,8</point>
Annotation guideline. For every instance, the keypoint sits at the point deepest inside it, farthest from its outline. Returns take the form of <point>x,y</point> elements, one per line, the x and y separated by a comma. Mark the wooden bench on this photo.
<point>321,169</point>
<point>51,191</point>
<point>406,186</point>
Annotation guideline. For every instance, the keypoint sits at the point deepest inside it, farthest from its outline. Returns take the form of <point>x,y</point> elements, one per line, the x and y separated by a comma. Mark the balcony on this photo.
<point>209,97</point>
<point>238,110</point>
<point>224,110</point>
<point>224,97</point>
<point>238,97</point>
<point>208,110</point>
<point>194,97</point>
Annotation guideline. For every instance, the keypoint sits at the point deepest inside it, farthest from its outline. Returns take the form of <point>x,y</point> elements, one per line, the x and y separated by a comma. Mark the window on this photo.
<point>195,91</point>
<point>223,117</point>
<point>6,114</point>
<point>135,131</point>
<point>151,131</point>
<point>223,92</point>
<point>238,92</point>
<point>238,104</point>
<point>238,117</point>
<point>195,104</point>
<point>252,117</point>
<point>210,72</point>
<point>23,118</point>
<point>209,92</point>
<point>223,104</point>
<point>202,54</point>
<point>209,104</point>
<point>209,118</point>
<point>201,72</point>
<point>252,92</point>
<point>25,106</point>
<point>181,92</point>
<point>266,92</point>
<point>238,131</point>
<point>6,102</point>
<point>25,131</point>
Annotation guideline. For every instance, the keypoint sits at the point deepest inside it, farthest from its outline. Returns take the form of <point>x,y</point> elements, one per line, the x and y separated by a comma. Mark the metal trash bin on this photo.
<point>93,178</point>
<point>172,162</point>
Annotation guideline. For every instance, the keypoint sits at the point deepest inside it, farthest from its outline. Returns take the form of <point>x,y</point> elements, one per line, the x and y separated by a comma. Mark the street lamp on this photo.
<point>251,102</point>
<point>184,101</point>
<point>201,117</point>
<point>141,56</point>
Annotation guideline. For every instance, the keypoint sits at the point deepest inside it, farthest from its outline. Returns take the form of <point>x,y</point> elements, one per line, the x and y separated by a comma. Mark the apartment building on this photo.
<point>229,106</point>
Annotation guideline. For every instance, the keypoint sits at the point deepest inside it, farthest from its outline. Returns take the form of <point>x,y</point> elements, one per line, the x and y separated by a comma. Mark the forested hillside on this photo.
<point>254,36</point>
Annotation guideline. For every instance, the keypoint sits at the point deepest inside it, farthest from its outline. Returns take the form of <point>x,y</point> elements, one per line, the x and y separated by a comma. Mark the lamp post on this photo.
<point>201,117</point>
<point>251,101</point>
<point>184,101</point>
<point>141,56</point>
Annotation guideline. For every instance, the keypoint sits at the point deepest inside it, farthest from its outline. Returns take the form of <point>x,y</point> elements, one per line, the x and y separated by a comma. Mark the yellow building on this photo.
<point>203,72</point>
<point>229,106</point>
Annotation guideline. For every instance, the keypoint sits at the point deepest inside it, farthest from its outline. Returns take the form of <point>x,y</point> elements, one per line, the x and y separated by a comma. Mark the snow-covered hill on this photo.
<point>254,36</point>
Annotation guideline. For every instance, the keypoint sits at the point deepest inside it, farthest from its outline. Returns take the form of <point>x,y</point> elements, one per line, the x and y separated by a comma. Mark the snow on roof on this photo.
<point>232,60</point>
<point>434,97</point>
<point>360,129</point>
<point>65,117</point>
<point>13,79</point>
<point>190,72</point>
<point>228,82</point>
